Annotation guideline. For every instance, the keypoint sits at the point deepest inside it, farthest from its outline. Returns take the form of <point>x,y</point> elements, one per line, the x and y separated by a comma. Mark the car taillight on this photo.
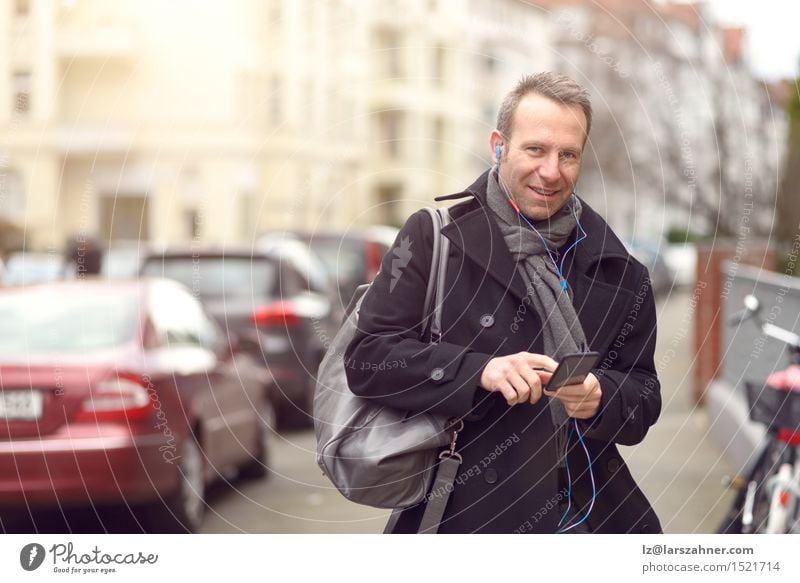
<point>790,437</point>
<point>373,260</point>
<point>277,314</point>
<point>124,397</point>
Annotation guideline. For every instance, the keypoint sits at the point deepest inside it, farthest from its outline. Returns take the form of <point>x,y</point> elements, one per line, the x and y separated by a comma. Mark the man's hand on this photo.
<point>580,401</point>
<point>514,376</point>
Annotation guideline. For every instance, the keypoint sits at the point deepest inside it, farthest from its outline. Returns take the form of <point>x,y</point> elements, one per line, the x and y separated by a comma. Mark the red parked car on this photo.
<point>124,392</point>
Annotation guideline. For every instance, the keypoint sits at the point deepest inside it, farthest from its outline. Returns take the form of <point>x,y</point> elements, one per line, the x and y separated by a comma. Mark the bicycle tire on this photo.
<point>764,466</point>
<point>763,500</point>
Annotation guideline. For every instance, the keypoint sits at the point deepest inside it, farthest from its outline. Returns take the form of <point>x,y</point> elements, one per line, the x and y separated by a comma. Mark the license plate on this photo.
<point>20,405</point>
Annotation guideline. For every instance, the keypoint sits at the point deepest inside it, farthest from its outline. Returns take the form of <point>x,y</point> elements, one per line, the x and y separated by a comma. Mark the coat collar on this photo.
<point>478,235</point>
<point>475,231</point>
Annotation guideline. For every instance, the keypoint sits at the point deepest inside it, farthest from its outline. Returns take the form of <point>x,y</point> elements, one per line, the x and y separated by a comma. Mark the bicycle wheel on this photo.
<point>762,499</point>
<point>750,508</point>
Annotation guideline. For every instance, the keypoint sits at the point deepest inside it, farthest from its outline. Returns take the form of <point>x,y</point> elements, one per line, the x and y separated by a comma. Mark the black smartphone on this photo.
<point>572,369</point>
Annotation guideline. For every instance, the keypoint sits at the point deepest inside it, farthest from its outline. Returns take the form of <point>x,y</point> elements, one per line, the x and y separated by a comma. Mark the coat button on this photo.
<point>631,414</point>
<point>613,465</point>
<point>487,320</point>
<point>437,374</point>
<point>644,529</point>
<point>490,476</point>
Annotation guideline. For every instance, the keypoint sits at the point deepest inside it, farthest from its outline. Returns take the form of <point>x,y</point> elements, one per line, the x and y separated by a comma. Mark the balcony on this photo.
<point>82,140</point>
<point>101,41</point>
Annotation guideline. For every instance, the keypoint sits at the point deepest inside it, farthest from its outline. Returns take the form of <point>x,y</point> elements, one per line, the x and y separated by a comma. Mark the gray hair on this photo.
<point>559,88</point>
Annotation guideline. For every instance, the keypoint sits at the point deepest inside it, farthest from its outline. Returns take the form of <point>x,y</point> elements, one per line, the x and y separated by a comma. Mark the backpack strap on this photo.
<point>449,462</point>
<point>434,294</point>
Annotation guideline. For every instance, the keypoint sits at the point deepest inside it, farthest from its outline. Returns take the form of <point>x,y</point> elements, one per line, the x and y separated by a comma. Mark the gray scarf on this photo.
<point>561,330</point>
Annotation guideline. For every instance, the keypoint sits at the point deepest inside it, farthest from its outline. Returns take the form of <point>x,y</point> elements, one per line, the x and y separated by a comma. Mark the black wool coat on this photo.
<point>508,481</point>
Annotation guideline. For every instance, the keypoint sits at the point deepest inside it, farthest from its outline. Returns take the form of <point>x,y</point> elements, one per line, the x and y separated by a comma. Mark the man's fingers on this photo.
<point>508,392</point>
<point>535,384</point>
<point>544,376</point>
<point>520,386</point>
<point>540,361</point>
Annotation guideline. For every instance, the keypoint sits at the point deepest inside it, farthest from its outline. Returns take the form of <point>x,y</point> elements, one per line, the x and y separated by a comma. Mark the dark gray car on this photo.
<point>268,300</point>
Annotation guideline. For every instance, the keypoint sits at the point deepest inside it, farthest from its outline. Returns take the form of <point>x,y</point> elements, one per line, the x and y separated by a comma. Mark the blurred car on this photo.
<point>273,300</point>
<point>124,392</point>
<point>351,258</point>
<point>682,260</point>
<point>652,257</point>
<point>25,268</point>
<point>123,260</point>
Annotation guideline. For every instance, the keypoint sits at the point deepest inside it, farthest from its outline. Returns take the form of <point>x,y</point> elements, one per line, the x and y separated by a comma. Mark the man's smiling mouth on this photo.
<point>543,191</point>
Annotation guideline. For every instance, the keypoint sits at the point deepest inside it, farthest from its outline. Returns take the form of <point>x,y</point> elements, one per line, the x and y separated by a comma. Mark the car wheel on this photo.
<point>183,510</point>
<point>258,466</point>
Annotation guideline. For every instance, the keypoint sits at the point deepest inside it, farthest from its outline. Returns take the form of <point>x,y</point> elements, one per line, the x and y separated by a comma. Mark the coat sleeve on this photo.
<point>388,361</point>
<point>631,400</point>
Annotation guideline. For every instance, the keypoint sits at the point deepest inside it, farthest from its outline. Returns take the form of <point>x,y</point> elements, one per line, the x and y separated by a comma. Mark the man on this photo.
<point>533,274</point>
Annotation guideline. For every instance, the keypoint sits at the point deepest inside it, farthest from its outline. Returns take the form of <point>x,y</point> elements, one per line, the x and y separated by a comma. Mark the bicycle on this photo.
<point>767,500</point>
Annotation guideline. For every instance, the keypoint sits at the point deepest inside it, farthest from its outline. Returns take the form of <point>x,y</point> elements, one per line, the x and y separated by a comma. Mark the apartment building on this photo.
<point>168,121</point>
<point>212,120</point>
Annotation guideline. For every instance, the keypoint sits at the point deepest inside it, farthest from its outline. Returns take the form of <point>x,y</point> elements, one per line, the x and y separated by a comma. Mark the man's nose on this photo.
<point>548,168</point>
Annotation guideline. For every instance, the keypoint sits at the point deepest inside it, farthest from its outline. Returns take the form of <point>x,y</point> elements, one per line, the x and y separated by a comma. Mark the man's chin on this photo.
<point>539,213</point>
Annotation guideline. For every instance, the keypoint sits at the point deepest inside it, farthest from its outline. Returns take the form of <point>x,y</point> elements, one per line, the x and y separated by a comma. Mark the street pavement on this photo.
<point>678,468</point>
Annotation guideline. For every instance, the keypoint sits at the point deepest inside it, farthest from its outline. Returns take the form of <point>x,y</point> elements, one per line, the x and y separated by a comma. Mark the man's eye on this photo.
<point>534,150</point>
<point>568,155</point>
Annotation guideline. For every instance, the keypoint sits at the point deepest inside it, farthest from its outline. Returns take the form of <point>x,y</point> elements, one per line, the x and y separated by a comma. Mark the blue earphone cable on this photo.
<point>569,478</point>
<point>563,283</point>
<point>559,269</point>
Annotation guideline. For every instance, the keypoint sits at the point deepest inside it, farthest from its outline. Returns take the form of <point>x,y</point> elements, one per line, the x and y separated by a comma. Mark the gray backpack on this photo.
<point>377,455</point>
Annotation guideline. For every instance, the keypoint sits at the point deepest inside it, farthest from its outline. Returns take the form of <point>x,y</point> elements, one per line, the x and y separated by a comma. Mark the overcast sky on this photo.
<point>773,32</point>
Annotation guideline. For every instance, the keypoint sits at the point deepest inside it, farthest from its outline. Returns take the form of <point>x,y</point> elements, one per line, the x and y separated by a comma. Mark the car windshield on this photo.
<point>217,277</point>
<point>56,320</point>
<point>28,268</point>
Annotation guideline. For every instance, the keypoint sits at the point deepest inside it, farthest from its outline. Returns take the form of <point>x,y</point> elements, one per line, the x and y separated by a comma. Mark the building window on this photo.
<point>389,53</point>
<point>488,63</point>
<point>439,65</point>
<point>275,101</point>
<point>389,129</point>
<point>125,217</point>
<point>12,196</point>
<point>247,222</point>
<point>438,141</point>
<point>275,12</point>
<point>22,92</point>
<point>192,222</point>
<point>389,202</point>
<point>22,7</point>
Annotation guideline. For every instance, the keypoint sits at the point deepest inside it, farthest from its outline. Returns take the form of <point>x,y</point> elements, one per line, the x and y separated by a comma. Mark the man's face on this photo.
<point>540,165</point>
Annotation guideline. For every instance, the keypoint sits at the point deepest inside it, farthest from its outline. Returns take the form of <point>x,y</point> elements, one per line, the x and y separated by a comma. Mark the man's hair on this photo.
<point>559,88</point>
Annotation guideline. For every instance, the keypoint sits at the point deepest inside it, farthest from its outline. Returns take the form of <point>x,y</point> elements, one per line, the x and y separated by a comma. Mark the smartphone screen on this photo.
<point>573,369</point>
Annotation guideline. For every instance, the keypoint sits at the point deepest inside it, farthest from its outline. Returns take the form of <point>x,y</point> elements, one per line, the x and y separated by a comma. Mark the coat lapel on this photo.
<point>478,236</point>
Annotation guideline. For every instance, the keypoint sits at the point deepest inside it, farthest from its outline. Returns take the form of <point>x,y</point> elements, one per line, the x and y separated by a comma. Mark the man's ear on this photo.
<point>497,143</point>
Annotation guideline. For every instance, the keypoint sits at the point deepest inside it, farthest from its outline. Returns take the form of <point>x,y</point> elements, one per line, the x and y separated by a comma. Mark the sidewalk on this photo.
<point>677,466</point>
